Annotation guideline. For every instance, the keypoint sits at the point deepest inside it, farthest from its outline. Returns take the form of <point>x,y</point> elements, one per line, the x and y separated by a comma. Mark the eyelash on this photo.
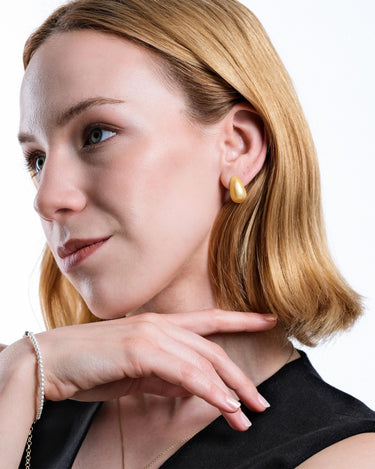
<point>30,159</point>
<point>31,156</point>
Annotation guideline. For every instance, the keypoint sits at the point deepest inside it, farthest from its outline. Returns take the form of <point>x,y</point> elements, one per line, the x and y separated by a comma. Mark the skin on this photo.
<point>151,188</point>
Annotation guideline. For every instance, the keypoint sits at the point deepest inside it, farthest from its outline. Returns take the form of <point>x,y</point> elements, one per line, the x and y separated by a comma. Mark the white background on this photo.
<point>328,47</point>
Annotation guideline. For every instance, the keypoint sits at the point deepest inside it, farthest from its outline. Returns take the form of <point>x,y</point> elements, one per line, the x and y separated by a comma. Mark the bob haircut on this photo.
<point>268,254</point>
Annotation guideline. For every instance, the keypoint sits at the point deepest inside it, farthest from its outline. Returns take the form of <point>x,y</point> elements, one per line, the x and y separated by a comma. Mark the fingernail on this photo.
<point>263,401</point>
<point>245,420</point>
<point>269,317</point>
<point>232,403</point>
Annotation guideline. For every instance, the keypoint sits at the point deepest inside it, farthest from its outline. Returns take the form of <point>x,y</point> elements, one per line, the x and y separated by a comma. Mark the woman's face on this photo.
<point>127,186</point>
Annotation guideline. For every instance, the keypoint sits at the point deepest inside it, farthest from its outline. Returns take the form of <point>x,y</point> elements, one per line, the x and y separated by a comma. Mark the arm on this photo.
<point>152,353</point>
<point>166,355</point>
<point>355,452</point>
<point>17,400</point>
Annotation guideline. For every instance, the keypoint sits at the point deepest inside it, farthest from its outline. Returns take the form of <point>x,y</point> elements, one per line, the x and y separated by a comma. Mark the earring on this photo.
<point>237,190</point>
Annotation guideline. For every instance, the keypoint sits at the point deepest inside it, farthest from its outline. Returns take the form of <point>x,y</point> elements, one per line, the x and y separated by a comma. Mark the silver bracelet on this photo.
<point>40,398</point>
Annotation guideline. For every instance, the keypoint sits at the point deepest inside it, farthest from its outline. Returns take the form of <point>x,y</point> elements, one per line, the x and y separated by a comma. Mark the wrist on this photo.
<point>18,378</point>
<point>40,373</point>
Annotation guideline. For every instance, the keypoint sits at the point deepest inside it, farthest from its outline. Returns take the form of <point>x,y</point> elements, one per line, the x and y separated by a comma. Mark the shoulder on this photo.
<point>311,423</point>
<point>350,453</point>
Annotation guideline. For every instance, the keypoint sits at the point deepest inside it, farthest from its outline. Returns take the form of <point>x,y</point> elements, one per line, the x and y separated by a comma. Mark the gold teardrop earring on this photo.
<point>237,190</point>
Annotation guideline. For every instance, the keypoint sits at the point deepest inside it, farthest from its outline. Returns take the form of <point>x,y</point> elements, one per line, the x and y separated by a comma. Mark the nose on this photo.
<point>59,188</point>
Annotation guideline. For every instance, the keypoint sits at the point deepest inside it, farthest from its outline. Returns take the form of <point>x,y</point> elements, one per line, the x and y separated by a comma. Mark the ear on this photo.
<point>244,144</point>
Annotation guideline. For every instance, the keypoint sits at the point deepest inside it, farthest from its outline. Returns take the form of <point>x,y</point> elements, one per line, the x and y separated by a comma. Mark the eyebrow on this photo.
<point>72,112</point>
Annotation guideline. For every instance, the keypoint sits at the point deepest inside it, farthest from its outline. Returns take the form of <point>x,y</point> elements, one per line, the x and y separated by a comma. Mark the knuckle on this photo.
<point>216,313</point>
<point>190,373</point>
<point>134,364</point>
<point>131,345</point>
<point>218,352</point>
<point>219,319</point>
<point>145,328</point>
<point>211,389</point>
<point>150,317</point>
<point>205,367</point>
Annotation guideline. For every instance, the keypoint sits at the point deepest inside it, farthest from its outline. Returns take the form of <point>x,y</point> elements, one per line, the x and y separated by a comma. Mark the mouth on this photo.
<point>75,251</point>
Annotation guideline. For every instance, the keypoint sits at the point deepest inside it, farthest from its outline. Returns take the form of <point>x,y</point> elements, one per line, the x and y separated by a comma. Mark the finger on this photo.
<point>214,321</point>
<point>151,352</point>
<point>228,372</point>
<point>153,385</point>
<point>126,386</point>
<point>237,420</point>
<point>190,377</point>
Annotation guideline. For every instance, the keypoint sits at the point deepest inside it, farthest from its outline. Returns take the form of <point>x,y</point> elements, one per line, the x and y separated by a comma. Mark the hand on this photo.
<point>164,354</point>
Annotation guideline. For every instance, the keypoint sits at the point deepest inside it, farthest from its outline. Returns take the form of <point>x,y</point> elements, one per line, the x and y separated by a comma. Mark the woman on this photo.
<point>140,121</point>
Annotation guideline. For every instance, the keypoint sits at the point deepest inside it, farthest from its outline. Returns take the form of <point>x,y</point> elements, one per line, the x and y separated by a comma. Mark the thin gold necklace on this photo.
<point>160,455</point>
<point>167,450</point>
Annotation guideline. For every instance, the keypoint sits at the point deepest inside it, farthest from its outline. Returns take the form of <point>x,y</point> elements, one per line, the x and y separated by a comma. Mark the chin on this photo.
<point>110,308</point>
<point>107,298</point>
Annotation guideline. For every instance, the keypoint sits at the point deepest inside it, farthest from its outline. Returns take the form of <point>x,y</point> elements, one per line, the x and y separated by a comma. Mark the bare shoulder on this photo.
<point>351,453</point>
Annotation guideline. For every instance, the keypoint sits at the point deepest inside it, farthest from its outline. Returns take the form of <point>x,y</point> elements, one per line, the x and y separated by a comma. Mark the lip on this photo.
<point>75,251</point>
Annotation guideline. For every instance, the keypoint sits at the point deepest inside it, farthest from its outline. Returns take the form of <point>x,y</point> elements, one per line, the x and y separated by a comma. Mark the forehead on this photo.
<point>73,66</point>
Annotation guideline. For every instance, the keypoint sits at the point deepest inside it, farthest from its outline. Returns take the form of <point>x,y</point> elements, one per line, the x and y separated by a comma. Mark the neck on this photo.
<point>258,354</point>
<point>190,290</point>
<point>170,420</point>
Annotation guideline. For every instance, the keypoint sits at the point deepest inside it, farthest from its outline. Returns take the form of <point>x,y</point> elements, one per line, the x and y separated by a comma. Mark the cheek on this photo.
<point>184,176</point>
<point>157,184</point>
<point>183,198</point>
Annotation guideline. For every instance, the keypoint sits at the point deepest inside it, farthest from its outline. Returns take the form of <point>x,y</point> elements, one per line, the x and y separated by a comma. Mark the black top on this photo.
<point>306,416</point>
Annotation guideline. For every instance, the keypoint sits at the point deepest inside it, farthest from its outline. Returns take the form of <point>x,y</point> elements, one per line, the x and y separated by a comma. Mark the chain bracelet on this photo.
<point>40,398</point>
<point>28,449</point>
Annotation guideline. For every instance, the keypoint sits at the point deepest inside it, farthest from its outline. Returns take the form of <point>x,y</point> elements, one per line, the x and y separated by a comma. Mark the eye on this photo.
<point>39,163</point>
<point>98,135</point>
<point>34,162</point>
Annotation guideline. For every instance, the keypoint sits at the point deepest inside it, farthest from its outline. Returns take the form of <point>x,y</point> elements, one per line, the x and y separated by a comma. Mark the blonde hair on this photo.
<point>268,254</point>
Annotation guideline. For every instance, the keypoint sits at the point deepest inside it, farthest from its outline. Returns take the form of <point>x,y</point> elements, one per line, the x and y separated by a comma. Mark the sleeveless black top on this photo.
<point>306,416</point>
